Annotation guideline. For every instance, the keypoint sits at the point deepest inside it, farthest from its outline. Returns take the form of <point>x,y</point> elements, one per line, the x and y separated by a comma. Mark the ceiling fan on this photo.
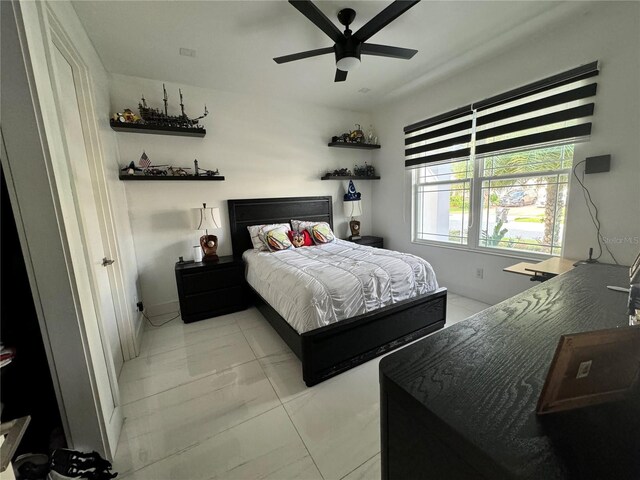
<point>348,47</point>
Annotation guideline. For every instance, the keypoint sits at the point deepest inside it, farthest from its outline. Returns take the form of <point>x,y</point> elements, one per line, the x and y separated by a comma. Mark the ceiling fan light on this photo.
<point>346,64</point>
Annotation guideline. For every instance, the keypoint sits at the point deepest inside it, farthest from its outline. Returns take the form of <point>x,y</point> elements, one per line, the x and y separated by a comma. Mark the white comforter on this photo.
<point>312,287</point>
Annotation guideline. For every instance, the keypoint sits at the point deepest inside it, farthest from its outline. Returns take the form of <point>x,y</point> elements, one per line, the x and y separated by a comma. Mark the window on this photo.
<point>495,174</point>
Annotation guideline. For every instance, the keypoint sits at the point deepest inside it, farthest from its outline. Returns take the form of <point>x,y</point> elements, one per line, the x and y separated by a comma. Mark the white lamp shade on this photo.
<point>346,64</point>
<point>353,208</point>
<point>209,218</point>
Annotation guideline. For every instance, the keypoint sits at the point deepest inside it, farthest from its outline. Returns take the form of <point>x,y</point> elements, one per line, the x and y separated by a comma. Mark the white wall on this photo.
<point>264,148</point>
<point>609,32</point>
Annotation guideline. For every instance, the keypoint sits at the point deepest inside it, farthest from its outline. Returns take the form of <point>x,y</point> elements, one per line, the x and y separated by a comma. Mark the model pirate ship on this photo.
<point>154,116</point>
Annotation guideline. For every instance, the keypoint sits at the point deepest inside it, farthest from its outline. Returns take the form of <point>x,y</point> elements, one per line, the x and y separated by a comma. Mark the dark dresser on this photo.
<point>209,289</point>
<point>461,403</point>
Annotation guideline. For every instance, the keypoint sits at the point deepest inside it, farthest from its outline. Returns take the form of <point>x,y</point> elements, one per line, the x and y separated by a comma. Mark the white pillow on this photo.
<point>299,225</point>
<point>257,232</point>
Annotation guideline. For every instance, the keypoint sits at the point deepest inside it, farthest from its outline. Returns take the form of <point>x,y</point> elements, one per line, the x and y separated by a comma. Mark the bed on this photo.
<point>339,344</point>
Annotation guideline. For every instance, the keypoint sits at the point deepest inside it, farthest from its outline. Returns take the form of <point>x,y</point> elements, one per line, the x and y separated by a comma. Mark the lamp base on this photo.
<point>354,225</point>
<point>209,244</point>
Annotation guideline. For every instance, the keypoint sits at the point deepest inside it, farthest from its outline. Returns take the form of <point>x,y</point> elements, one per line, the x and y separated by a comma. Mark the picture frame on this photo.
<point>591,368</point>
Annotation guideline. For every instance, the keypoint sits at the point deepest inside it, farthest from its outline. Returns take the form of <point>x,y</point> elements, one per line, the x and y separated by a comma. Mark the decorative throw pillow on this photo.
<point>256,230</point>
<point>321,233</point>
<point>277,239</point>
<point>300,239</point>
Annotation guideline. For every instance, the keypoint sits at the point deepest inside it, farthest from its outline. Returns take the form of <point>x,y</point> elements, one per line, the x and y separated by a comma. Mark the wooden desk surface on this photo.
<point>552,266</point>
<point>474,386</point>
<point>521,268</point>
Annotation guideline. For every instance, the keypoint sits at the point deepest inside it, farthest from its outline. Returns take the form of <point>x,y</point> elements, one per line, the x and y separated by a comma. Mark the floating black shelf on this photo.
<point>364,146</point>
<point>170,177</point>
<point>349,177</point>
<point>157,129</point>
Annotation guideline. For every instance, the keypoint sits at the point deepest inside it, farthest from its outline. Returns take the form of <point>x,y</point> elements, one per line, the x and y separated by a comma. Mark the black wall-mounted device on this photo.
<point>599,164</point>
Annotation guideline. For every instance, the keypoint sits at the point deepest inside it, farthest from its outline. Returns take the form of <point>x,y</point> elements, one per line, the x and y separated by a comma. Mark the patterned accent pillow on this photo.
<point>321,233</point>
<point>257,230</point>
<point>300,239</point>
<point>277,239</point>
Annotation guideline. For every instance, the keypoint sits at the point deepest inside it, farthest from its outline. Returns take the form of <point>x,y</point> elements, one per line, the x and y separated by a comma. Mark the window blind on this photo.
<point>551,111</point>
<point>445,137</point>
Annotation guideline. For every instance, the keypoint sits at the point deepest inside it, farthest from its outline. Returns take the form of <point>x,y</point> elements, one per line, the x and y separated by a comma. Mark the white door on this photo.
<point>86,206</point>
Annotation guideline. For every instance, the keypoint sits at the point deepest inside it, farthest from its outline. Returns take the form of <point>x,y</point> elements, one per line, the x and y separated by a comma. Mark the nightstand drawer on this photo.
<point>214,302</point>
<point>205,281</point>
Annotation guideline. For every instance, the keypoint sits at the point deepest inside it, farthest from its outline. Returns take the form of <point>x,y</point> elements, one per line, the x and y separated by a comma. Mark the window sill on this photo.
<point>485,251</point>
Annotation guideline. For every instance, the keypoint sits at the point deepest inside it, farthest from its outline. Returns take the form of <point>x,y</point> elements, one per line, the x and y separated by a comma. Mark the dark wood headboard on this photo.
<point>256,211</point>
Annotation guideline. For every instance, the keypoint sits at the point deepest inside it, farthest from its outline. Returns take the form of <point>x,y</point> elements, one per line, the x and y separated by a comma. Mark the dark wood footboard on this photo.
<point>328,351</point>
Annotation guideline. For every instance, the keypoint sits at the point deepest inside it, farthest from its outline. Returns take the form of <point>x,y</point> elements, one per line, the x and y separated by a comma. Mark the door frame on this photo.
<point>29,163</point>
<point>60,39</point>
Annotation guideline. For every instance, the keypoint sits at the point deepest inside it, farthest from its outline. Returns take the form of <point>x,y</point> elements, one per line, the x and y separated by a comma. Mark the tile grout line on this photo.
<point>183,346</point>
<point>303,442</point>
<point>368,459</point>
<point>189,447</point>
<point>285,410</point>
<point>231,367</point>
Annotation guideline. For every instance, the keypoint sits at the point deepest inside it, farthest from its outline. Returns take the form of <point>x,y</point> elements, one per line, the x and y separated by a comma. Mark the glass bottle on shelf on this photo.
<point>371,136</point>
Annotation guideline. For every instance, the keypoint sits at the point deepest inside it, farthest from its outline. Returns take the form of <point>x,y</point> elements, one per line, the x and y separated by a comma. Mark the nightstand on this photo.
<point>370,241</point>
<point>209,289</point>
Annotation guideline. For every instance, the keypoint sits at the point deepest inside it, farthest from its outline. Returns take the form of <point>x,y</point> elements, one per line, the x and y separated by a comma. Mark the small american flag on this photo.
<point>144,161</point>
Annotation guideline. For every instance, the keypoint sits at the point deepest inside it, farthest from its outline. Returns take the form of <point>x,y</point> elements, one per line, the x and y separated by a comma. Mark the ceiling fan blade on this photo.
<point>318,18</point>
<point>341,75</point>
<point>387,51</point>
<point>384,18</point>
<point>301,55</point>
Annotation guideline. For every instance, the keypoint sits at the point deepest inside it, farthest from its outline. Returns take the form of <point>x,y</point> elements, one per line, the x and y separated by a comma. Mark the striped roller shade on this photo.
<point>552,111</point>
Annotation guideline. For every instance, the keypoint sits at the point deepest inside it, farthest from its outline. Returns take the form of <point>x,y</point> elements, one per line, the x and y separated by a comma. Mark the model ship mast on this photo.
<point>165,100</point>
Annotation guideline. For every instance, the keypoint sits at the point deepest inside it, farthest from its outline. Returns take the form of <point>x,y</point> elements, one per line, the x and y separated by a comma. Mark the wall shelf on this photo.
<point>171,177</point>
<point>157,129</point>
<point>364,146</point>
<point>349,177</point>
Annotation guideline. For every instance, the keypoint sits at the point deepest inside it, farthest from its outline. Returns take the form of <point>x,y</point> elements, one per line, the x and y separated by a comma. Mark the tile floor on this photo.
<point>224,398</point>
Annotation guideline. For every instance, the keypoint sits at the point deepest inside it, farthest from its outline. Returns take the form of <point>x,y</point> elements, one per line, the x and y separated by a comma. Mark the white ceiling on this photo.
<point>235,42</point>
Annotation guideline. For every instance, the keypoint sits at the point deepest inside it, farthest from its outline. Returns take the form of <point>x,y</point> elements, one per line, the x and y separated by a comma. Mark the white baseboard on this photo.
<point>139,330</point>
<point>162,308</point>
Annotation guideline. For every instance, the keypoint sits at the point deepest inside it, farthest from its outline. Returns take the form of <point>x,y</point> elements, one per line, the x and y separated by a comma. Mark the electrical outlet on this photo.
<point>479,273</point>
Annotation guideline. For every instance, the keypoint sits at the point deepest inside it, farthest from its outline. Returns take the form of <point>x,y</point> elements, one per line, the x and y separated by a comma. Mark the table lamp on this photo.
<point>209,219</point>
<point>353,208</point>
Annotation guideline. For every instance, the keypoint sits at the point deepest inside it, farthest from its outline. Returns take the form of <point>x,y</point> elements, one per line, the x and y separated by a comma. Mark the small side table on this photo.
<point>543,270</point>
<point>210,289</point>
<point>370,241</point>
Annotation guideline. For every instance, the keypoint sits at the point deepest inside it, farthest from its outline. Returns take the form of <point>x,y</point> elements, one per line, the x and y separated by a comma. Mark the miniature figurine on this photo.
<point>357,136</point>
<point>155,171</point>
<point>126,116</point>
<point>343,172</point>
<point>131,169</point>
<point>179,171</point>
